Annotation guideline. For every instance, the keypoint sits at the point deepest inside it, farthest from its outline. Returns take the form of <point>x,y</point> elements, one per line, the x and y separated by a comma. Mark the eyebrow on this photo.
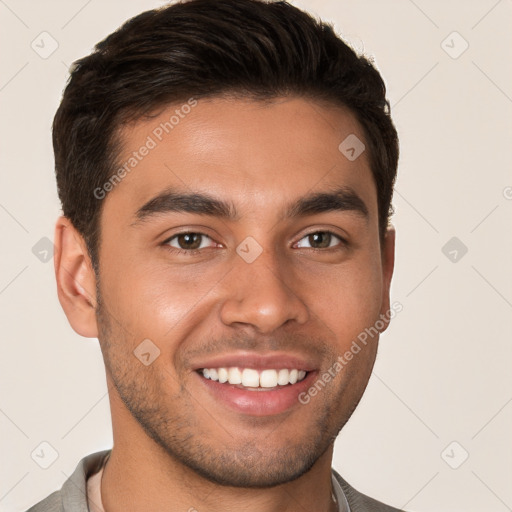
<point>342,199</point>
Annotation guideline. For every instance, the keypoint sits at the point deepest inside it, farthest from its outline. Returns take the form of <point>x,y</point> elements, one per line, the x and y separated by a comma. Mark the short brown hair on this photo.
<point>203,48</point>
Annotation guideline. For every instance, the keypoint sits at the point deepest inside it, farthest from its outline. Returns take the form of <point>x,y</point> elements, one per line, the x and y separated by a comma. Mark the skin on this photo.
<point>176,447</point>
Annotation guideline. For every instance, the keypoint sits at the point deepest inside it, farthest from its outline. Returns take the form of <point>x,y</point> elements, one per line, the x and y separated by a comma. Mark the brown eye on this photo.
<point>188,242</point>
<point>321,240</point>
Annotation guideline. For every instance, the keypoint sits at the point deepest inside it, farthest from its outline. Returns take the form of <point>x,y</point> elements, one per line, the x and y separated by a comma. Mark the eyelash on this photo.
<point>192,252</point>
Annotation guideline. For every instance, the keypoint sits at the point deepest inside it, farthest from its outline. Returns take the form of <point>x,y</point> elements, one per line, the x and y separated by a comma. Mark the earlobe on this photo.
<point>388,263</point>
<point>76,281</point>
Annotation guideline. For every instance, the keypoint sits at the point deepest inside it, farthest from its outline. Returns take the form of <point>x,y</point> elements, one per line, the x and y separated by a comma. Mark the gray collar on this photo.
<point>339,495</point>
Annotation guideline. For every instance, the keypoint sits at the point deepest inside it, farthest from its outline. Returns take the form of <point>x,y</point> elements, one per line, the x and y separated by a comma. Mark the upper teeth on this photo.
<point>253,378</point>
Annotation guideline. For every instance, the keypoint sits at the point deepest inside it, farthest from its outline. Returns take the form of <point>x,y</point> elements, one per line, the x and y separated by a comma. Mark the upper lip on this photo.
<point>258,361</point>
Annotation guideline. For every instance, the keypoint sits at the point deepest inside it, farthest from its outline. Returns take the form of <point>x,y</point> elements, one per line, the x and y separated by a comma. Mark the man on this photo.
<point>226,170</point>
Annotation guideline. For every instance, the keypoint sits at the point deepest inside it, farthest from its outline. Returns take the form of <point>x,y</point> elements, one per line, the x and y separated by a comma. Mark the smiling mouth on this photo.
<point>252,379</point>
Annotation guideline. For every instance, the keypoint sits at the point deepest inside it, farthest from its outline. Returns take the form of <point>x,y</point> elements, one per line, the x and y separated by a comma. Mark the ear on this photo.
<point>76,281</point>
<point>388,263</point>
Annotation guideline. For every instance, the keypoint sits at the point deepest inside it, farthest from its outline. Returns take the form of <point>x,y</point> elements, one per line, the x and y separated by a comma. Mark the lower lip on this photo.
<point>261,402</point>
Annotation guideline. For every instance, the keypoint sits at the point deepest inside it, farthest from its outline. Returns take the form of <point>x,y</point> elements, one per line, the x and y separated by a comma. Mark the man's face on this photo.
<point>267,288</point>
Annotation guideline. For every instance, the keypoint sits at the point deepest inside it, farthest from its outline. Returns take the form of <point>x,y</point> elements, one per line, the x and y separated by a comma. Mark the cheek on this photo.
<point>158,301</point>
<point>350,300</point>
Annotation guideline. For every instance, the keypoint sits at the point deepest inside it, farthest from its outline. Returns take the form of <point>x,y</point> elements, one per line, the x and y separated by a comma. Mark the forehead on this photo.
<point>256,153</point>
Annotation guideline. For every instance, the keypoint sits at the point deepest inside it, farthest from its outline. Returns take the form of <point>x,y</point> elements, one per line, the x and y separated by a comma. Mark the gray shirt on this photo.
<point>72,497</point>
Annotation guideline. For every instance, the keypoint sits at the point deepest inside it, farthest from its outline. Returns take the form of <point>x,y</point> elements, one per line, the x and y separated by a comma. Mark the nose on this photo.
<point>261,294</point>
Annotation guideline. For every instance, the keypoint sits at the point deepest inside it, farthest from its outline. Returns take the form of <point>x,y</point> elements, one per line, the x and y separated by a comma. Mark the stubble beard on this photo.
<point>178,432</point>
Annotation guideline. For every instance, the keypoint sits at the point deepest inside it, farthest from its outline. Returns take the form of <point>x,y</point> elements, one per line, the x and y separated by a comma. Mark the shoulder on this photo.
<point>360,502</point>
<point>72,497</point>
<point>52,503</point>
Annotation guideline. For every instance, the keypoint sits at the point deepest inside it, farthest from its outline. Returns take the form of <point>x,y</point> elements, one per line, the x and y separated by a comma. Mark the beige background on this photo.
<point>443,369</point>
